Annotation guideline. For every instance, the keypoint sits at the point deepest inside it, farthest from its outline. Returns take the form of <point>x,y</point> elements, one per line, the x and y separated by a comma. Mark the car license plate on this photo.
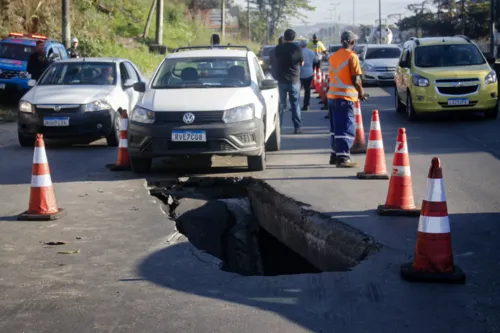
<point>458,101</point>
<point>2,86</point>
<point>54,122</point>
<point>189,136</point>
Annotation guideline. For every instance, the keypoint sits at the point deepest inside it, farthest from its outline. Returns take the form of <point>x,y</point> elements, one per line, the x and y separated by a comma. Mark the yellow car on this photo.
<point>445,74</point>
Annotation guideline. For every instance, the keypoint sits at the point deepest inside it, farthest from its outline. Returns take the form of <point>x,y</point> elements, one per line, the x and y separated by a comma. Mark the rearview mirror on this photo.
<point>139,86</point>
<point>31,83</point>
<point>129,83</point>
<point>268,84</point>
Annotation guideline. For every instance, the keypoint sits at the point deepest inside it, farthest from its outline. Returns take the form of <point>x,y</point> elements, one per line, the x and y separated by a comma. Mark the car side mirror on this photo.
<point>268,84</point>
<point>129,83</point>
<point>31,83</point>
<point>139,86</point>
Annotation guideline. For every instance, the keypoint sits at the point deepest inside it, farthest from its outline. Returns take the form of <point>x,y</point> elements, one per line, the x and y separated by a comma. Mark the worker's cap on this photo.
<point>348,36</point>
<point>74,40</point>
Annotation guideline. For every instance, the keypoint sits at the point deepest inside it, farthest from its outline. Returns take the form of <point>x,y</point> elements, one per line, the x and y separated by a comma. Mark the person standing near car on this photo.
<point>72,52</point>
<point>215,40</point>
<point>345,89</point>
<point>289,59</point>
<point>307,73</point>
<point>272,60</point>
<point>38,62</point>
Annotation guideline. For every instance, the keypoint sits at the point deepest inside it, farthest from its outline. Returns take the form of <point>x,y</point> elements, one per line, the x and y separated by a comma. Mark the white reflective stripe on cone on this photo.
<point>357,111</point>
<point>375,144</point>
<point>359,126</point>
<point>435,190</point>
<point>123,124</point>
<point>434,224</point>
<point>401,171</point>
<point>375,125</point>
<point>344,137</point>
<point>40,157</point>
<point>123,143</point>
<point>41,181</point>
<point>401,148</point>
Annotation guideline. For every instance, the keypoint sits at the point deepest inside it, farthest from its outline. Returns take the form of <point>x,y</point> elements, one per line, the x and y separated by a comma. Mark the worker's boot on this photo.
<point>347,164</point>
<point>333,159</point>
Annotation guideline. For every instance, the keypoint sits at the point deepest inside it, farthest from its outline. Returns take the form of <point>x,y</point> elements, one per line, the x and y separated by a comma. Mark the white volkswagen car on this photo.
<point>205,101</point>
<point>79,99</point>
<point>378,62</point>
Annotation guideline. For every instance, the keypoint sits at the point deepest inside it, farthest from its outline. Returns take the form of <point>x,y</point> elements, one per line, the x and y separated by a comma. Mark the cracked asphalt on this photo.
<point>134,273</point>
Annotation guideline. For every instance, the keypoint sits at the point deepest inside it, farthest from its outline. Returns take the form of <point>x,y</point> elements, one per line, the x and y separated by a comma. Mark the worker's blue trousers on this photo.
<point>342,127</point>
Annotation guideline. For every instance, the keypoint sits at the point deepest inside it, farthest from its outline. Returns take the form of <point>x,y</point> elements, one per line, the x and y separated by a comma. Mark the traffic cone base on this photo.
<point>363,175</point>
<point>40,217</point>
<point>123,161</point>
<point>388,211</point>
<point>359,144</point>
<point>412,275</point>
<point>114,167</point>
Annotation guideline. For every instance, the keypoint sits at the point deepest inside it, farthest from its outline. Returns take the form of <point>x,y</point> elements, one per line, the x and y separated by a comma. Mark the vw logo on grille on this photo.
<point>57,108</point>
<point>188,118</point>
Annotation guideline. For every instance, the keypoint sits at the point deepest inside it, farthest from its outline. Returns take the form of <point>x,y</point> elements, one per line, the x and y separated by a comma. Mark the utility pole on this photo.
<point>492,28</point>
<point>353,15</point>
<point>334,17</point>
<point>159,22</point>
<point>66,25</point>
<point>463,17</point>
<point>223,20</point>
<point>380,21</point>
<point>248,21</point>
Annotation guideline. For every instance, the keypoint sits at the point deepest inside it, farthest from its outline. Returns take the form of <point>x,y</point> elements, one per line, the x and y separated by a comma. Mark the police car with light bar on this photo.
<point>15,51</point>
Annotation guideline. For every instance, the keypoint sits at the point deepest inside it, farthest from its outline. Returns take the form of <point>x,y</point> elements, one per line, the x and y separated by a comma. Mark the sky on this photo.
<point>366,10</point>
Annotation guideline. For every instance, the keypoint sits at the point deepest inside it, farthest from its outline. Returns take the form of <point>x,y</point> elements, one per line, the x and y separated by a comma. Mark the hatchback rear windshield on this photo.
<point>383,53</point>
<point>16,51</point>
<point>78,73</point>
<point>202,72</point>
<point>448,55</point>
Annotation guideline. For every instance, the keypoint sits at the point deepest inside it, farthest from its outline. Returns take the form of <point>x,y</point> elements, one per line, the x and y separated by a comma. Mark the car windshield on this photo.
<point>383,53</point>
<point>448,55</point>
<point>204,72</point>
<point>78,73</point>
<point>16,51</point>
<point>266,51</point>
<point>334,48</point>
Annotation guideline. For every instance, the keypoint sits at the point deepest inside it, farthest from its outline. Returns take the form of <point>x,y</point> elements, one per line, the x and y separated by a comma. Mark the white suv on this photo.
<point>204,101</point>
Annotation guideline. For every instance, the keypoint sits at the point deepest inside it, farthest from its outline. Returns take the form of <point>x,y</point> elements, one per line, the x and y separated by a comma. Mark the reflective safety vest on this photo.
<point>316,48</point>
<point>341,85</point>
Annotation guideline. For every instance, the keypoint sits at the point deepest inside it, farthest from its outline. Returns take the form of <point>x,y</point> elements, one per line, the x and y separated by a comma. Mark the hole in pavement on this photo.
<point>255,230</point>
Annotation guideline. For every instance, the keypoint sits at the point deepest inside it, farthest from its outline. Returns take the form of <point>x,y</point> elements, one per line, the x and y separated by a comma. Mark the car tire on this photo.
<point>113,138</point>
<point>257,163</point>
<point>411,114</point>
<point>201,161</point>
<point>274,142</point>
<point>492,114</point>
<point>25,141</point>
<point>400,107</point>
<point>140,165</point>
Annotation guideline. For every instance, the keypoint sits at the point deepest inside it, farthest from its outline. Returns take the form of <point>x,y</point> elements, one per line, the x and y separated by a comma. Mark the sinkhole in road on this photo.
<point>255,230</point>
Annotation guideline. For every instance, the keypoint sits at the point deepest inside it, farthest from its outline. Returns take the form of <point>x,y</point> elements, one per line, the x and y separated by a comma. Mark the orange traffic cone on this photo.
<point>313,82</point>
<point>326,87</point>
<point>359,145</point>
<point>375,167</point>
<point>400,201</point>
<point>433,259</point>
<point>42,205</point>
<point>123,160</point>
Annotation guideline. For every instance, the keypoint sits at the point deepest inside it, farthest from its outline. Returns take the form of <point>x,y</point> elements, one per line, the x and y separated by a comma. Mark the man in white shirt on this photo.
<point>307,72</point>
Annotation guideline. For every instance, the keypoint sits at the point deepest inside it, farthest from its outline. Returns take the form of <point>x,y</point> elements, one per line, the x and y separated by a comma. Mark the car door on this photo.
<point>127,91</point>
<point>270,99</point>
<point>406,74</point>
<point>134,76</point>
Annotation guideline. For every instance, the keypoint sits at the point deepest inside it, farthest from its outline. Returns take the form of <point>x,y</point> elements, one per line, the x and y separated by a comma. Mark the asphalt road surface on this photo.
<point>133,274</point>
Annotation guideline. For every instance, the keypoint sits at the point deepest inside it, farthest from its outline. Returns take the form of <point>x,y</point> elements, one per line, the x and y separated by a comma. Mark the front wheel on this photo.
<point>113,137</point>
<point>410,111</point>
<point>400,107</point>
<point>25,141</point>
<point>140,165</point>
<point>257,163</point>
<point>274,142</point>
<point>492,114</point>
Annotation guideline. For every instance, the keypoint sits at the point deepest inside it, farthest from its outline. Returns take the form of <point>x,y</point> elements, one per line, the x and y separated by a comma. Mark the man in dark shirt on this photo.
<point>38,62</point>
<point>289,59</point>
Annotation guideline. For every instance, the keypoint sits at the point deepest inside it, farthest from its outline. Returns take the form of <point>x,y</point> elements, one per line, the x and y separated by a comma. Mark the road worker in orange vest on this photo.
<point>345,89</point>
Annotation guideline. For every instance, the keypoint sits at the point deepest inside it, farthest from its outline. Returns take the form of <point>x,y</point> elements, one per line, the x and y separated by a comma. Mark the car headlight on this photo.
<point>142,115</point>
<point>419,81</point>
<point>491,78</point>
<point>241,113</point>
<point>25,107</point>
<point>97,106</point>
<point>24,75</point>
<point>368,67</point>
